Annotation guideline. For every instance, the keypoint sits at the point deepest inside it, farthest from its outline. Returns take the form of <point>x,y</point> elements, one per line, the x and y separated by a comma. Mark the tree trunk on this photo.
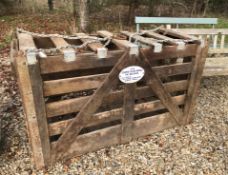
<point>50,5</point>
<point>205,7</point>
<point>131,13</point>
<point>83,14</point>
<point>193,8</point>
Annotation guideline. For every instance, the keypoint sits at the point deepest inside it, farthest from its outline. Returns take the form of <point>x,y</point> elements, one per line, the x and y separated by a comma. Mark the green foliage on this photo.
<point>6,41</point>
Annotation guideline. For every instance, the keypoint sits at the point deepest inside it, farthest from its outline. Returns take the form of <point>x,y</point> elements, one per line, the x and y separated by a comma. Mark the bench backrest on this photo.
<point>173,20</point>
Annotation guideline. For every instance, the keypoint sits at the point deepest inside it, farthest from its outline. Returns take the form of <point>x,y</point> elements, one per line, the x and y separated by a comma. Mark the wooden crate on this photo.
<point>80,106</point>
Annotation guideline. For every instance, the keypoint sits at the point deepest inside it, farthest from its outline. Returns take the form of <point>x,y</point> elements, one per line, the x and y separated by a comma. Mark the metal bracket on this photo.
<point>31,57</point>
<point>180,45</point>
<point>157,47</point>
<point>69,55</point>
<point>102,52</point>
<point>134,49</point>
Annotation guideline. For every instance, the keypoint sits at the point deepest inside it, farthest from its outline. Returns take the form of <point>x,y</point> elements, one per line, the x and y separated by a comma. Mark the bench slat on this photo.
<point>172,20</point>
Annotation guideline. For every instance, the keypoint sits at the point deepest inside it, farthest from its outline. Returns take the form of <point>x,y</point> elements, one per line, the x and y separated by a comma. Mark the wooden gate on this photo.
<point>81,106</point>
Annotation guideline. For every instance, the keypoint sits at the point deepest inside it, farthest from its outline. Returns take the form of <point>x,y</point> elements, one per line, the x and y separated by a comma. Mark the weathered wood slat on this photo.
<point>218,51</point>
<point>216,66</point>
<point>25,42</point>
<point>121,43</point>
<point>110,136</point>
<point>32,122</point>
<point>89,61</point>
<point>194,82</point>
<point>148,41</point>
<point>88,109</point>
<point>159,36</point>
<point>115,114</point>
<point>40,112</point>
<point>156,85</point>
<point>54,64</point>
<point>175,34</point>
<point>74,105</point>
<point>92,46</point>
<point>61,86</point>
<point>199,31</point>
<point>171,52</point>
<point>215,41</point>
<point>59,42</point>
<point>222,41</point>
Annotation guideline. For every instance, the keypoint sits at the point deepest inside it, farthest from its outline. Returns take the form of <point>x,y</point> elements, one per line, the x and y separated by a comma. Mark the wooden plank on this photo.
<point>154,82</point>
<point>215,41</point>
<point>114,114</point>
<point>61,86</point>
<point>67,85</point>
<point>40,113</point>
<point>222,41</point>
<point>171,52</point>
<point>13,51</point>
<point>159,36</point>
<point>84,61</point>
<point>174,20</point>
<point>88,109</point>
<point>92,46</point>
<point>89,61</point>
<point>216,66</point>
<point>175,34</point>
<point>29,109</point>
<point>218,51</point>
<point>110,136</point>
<point>59,42</point>
<point>191,31</point>
<point>128,107</point>
<point>148,41</point>
<point>25,42</point>
<point>197,71</point>
<point>75,104</point>
<point>120,43</point>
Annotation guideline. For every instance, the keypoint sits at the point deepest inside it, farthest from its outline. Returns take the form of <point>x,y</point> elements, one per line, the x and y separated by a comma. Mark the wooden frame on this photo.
<point>69,106</point>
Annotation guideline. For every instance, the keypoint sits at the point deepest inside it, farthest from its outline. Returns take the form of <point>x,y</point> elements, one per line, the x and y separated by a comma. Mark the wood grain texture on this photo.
<point>30,112</point>
<point>171,52</point>
<point>110,136</point>
<point>92,46</point>
<point>114,114</point>
<point>56,64</point>
<point>25,42</point>
<point>40,112</point>
<point>75,104</point>
<point>154,82</point>
<point>194,82</point>
<point>67,85</point>
<point>88,109</point>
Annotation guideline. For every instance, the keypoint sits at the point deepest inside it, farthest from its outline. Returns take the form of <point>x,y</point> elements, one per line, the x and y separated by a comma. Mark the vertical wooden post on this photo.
<point>194,82</point>
<point>222,41</point>
<point>40,112</point>
<point>33,102</point>
<point>128,107</point>
<point>128,112</point>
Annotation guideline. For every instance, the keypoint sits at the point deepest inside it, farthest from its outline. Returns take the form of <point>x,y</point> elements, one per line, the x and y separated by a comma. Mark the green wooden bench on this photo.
<point>217,61</point>
<point>168,21</point>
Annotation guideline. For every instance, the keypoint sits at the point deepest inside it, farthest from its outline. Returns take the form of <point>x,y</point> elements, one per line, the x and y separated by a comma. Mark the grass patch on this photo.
<point>6,41</point>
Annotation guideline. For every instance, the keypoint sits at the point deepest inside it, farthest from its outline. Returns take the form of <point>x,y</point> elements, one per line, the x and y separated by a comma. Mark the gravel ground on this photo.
<point>199,148</point>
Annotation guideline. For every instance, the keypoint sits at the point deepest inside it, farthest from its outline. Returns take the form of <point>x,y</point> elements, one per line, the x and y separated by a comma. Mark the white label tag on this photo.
<point>157,47</point>
<point>69,55</point>
<point>134,49</point>
<point>131,74</point>
<point>180,45</point>
<point>102,53</point>
<point>31,57</point>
